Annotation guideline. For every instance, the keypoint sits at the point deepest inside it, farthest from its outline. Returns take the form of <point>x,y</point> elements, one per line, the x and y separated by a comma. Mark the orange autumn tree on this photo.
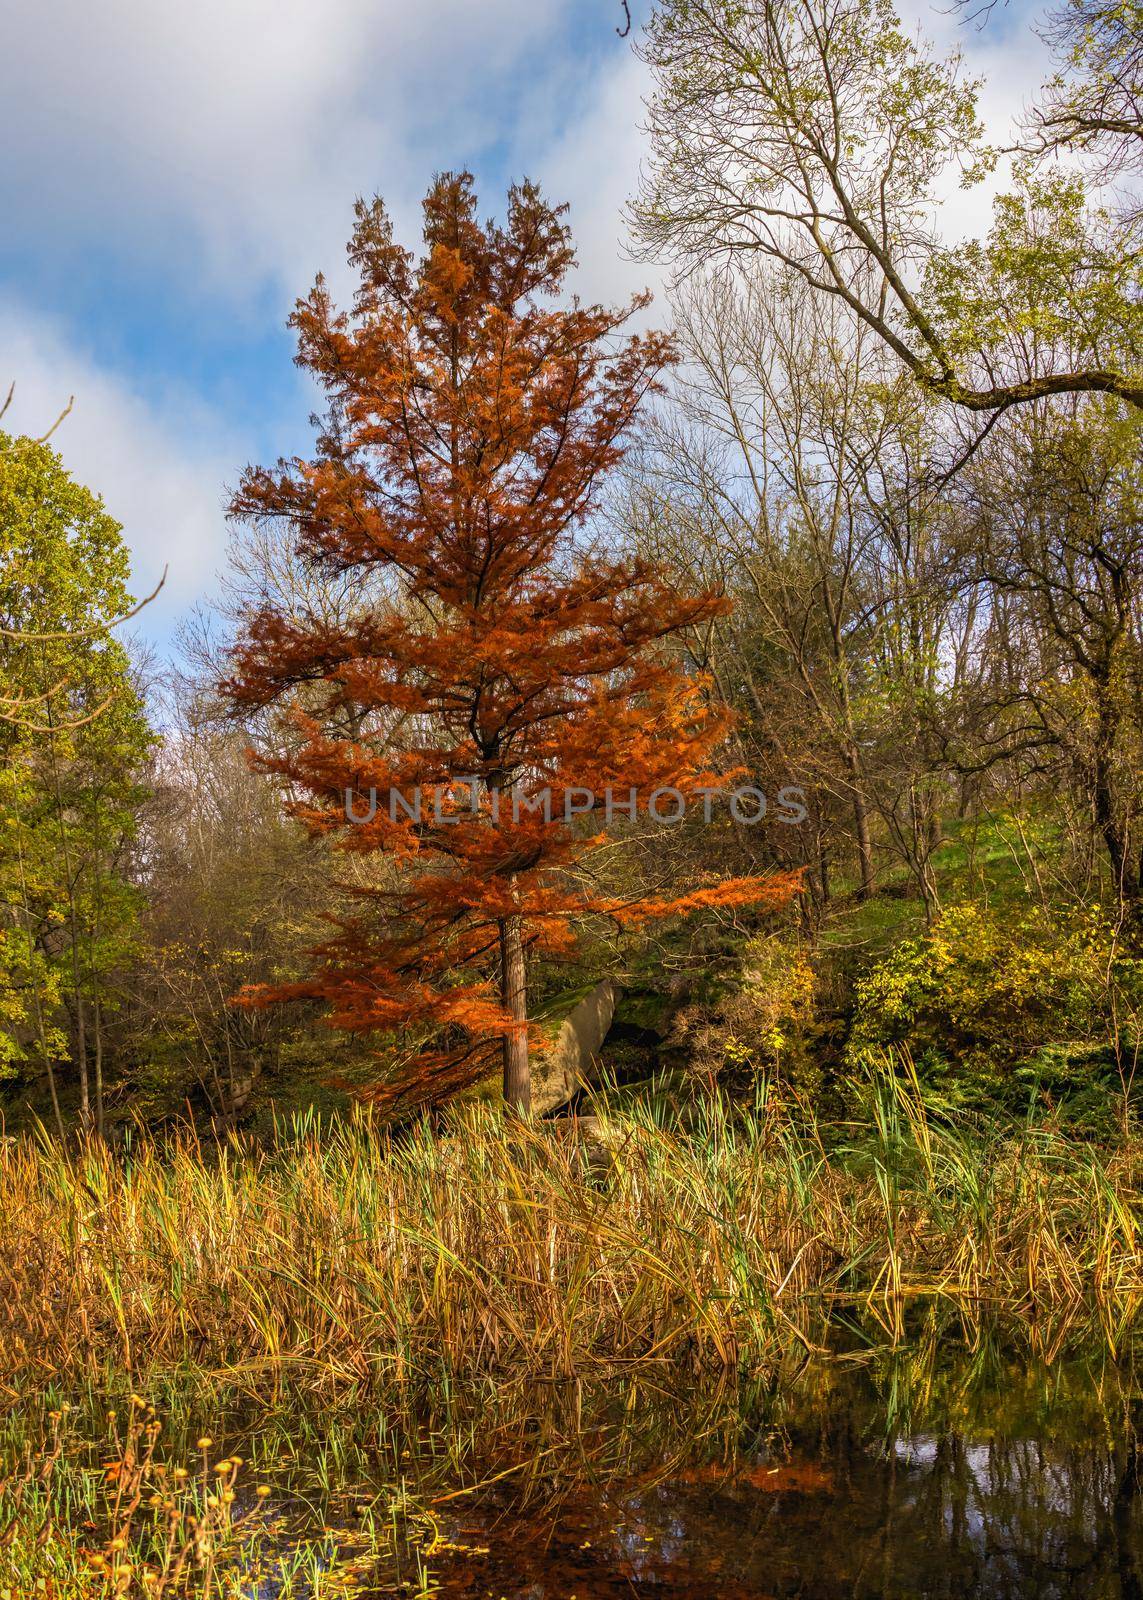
<point>499,674</point>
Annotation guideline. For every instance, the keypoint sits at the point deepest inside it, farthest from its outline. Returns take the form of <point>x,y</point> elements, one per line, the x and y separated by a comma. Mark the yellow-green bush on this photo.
<point>996,999</point>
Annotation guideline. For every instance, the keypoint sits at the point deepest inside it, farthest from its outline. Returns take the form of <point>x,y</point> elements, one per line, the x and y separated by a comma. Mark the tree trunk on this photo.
<point>864,846</point>
<point>1111,825</point>
<point>97,1018</point>
<point>79,1026</point>
<point>513,992</point>
<point>861,825</point>
<point>80,1019</point>
<point>853,764</point>
<point>513,989</point>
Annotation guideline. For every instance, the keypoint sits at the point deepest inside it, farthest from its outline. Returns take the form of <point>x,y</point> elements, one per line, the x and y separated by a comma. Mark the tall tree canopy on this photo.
<point>499,672</point>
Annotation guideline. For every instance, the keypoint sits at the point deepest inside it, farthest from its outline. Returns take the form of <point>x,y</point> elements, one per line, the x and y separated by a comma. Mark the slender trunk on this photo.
<point>920,854</point>
<point>37,1001</point>
<point>232,1089</point>
<point>1111,827</point>
<point>864,846</point>
<point>81,1061</point>
<point>96,1006</point>
<point>513,991</point>
<point>97,1019</point>
<point>852,755</point>
<point>964,799</point>
<point>46,1056</point>
<point>861,828</point>
<point>513,984</point>
<point>934,831</point>
<point>77,987</point>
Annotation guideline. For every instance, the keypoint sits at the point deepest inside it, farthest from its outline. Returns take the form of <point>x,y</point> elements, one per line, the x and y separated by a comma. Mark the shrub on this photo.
<point>994,1002</point>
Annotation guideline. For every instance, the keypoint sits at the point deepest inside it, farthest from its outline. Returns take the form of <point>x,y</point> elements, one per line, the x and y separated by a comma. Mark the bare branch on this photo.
<point>18,445</point>
<point>815,132</point>
<point>81,633</point>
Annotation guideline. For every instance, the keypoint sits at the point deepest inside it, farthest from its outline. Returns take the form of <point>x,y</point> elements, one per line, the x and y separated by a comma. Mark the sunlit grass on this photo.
<point>344,1261</point>
<point>108,1507</point>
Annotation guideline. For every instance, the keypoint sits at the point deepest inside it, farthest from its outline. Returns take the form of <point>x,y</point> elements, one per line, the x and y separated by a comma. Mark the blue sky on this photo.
<point>172,177</point>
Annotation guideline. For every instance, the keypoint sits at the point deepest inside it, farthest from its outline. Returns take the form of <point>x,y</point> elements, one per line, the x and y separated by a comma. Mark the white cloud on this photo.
<point>593,163</point>
<point>218,147</point>
<point>222,142</point>
<point>593,159</point>
<point>229,136</point>
<point>160,466</point>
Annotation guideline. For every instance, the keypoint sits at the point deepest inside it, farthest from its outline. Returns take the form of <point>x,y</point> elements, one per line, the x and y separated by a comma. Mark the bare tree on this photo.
<point>794,469</point>
<point>1060,503</point>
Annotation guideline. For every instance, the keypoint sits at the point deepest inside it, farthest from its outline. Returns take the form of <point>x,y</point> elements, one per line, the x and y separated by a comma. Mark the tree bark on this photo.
<point>864,845</point>
<point>1115,834</point>
<point>860,818</point>
<point>513,992</point>
<point>97,1019</point>
<point>824,877</point>
<point>513,987</point>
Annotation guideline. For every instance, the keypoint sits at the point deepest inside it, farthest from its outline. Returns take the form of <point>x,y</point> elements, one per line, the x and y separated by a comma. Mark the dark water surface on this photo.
<point>939,1471</point>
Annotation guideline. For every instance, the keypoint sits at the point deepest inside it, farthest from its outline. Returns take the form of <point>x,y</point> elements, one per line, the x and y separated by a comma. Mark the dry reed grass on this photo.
<point>345,1259</point>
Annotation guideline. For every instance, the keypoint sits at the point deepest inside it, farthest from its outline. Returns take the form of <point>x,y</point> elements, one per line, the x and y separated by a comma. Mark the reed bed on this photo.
<point>343,1258</point>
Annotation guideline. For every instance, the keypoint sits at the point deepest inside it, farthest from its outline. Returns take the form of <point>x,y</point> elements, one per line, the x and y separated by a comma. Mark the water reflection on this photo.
<point>933,1471</point>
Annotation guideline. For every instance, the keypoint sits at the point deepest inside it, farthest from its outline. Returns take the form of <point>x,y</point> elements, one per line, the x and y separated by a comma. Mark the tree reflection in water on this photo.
<point>933,1470</point>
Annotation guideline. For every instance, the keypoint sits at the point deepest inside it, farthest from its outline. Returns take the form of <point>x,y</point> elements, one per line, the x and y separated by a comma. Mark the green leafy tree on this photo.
<point>1054,287</point>
<point>74,740</point>
<point>819,134</point>
<point>1094,104</point>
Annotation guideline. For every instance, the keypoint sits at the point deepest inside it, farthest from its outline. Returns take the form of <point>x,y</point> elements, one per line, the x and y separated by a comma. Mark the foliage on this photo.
<point>982,997</point>
<point>865,528</point>
<point>818,134</point>
<point>75,742</point>
<point>1055,284</point>
<point>234,895</point>
<point>759,1021</point>
<point>779,978</point>
<point>1094,103</point>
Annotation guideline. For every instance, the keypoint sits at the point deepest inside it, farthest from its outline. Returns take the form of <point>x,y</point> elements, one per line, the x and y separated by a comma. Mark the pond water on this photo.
<point>954,1462</point>
<point>953,1473</point>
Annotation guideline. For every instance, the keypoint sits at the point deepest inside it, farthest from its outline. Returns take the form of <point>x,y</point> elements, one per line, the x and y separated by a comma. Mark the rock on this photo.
<point>587,1138</point>
<point>570,1061</point>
